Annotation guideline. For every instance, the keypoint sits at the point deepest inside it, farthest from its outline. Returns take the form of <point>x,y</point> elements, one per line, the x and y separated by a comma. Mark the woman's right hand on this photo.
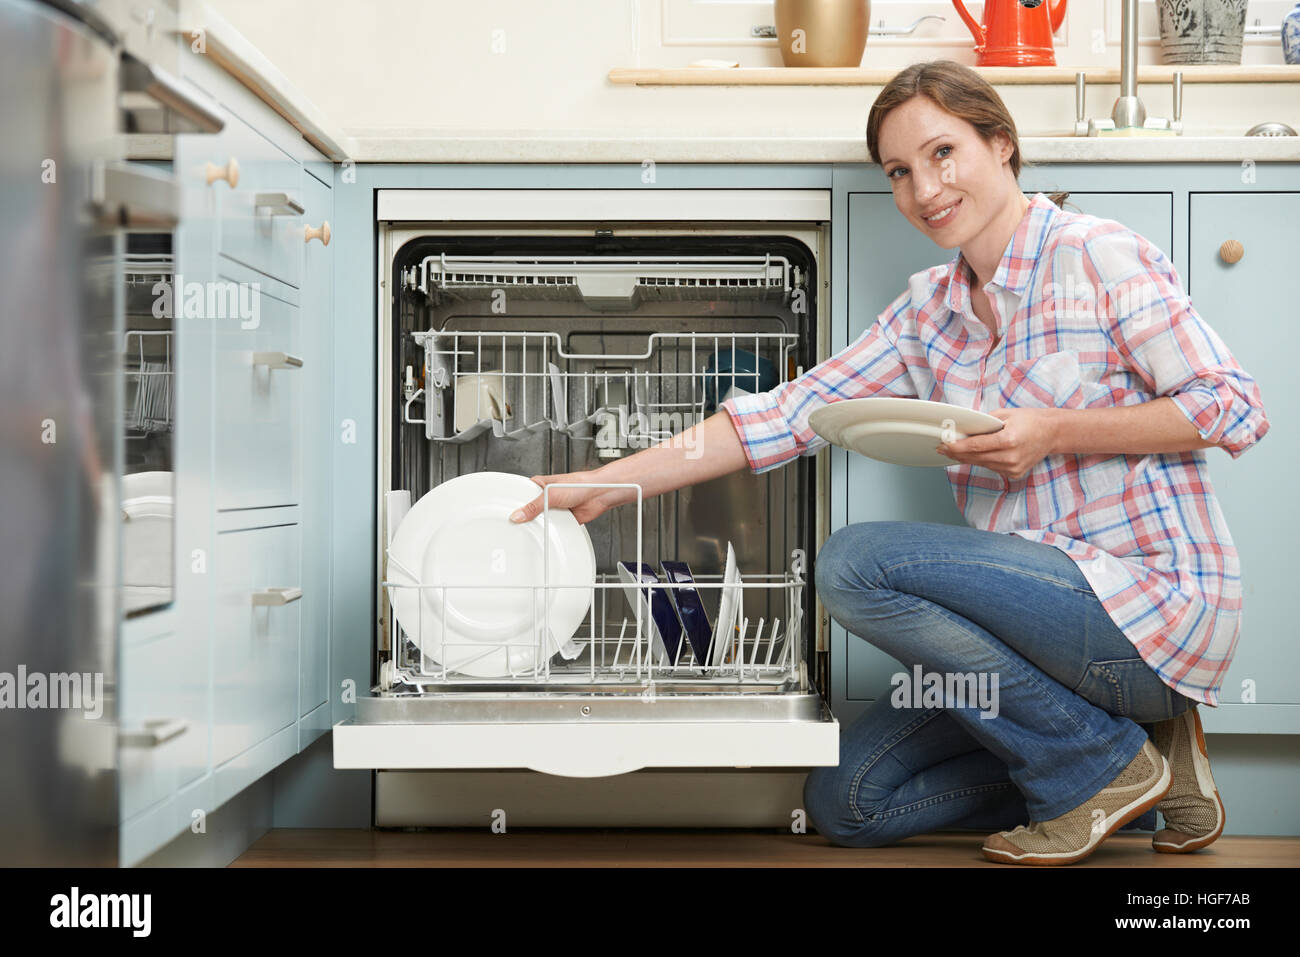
<point>585,504</point>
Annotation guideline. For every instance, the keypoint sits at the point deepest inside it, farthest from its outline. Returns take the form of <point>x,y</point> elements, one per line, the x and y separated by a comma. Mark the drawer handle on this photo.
<point>268,597</point>
<point>280,204</point>
<point>276,360</point>
<point>1231,251</point>
<point>322,233</point>
<point>153,733</point>
<point>229,172</point>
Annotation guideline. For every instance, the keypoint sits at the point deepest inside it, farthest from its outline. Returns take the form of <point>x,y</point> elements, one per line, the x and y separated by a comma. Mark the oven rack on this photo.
<point>604,282</point>
<point>521,382</point>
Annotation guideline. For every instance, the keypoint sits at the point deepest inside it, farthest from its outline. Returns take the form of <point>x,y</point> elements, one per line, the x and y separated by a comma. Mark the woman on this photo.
<point>1098,582</point>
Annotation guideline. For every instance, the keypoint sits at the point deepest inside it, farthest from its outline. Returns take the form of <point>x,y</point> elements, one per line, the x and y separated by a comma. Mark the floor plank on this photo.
<point>649,847</point>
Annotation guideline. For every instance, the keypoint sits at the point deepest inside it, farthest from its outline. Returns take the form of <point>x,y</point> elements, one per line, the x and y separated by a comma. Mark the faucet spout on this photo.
<point>1128,110</point>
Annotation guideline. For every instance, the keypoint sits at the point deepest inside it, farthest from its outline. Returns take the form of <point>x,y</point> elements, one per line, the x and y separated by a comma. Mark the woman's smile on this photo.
<point>942,216</point>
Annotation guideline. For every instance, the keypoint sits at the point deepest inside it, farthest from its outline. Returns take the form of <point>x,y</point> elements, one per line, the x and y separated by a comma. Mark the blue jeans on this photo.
<point>1071,690</point>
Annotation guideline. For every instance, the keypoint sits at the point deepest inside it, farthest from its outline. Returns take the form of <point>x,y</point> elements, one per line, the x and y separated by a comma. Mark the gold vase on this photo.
<point>822,32</point>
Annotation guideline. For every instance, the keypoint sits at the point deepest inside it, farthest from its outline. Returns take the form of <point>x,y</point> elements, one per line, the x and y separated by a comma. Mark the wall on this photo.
<point>420,66</point>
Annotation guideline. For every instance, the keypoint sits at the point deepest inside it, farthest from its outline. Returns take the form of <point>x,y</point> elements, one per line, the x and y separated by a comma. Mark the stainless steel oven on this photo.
<point>602,321</point>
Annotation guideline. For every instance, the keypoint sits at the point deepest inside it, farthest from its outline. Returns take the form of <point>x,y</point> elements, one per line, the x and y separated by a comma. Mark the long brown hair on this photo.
<point>956,89</point>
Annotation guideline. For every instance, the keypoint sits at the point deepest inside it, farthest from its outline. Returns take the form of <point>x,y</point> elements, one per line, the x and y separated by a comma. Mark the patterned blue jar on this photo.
<point>1291,36</point>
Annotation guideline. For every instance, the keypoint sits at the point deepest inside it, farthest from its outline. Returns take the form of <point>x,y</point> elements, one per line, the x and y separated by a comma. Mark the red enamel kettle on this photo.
<point>1014,32</point>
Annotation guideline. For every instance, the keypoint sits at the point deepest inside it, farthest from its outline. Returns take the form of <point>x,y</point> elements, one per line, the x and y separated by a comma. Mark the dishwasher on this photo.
<point>585,325</point>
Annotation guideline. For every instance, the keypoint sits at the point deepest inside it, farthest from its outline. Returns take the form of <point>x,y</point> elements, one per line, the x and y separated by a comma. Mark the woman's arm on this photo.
<point>1030,435</point>
<point>703,452</point>
<point>1200,396</point>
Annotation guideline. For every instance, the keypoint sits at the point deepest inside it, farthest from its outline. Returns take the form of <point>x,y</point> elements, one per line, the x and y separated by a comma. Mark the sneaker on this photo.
<point>1193,810</point>
<point>1075,834</point>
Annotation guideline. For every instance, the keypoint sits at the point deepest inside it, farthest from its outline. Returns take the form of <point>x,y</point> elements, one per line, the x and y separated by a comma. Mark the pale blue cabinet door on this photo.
<point>1254,310</point>
<point>264,237</point>
<point>159,695</point>
<point>884,250</point>
<point>257,442</point>
<point>316,325</point>
<point>255,655</point>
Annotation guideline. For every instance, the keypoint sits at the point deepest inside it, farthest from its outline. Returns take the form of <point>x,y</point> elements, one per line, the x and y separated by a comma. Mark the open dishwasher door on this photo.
<point>536,346</point>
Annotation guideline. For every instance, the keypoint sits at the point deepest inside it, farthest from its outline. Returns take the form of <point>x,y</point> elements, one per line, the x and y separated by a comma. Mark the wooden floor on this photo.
<point>544,847</point>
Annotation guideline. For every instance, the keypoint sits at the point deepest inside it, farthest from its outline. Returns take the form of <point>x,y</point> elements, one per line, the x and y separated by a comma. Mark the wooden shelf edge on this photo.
<point>999,76</point>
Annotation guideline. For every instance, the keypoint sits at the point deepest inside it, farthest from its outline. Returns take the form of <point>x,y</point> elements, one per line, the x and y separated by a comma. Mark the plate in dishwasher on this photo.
<point>588,735</point>
<point>467,572</point>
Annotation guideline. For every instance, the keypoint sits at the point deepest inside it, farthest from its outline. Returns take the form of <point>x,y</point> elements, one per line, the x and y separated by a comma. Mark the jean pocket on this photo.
<point>1128,688</point>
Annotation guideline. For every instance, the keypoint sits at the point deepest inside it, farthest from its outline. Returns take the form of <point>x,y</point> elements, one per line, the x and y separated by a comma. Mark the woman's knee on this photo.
<point>844,821</point>
<point>847,565</point>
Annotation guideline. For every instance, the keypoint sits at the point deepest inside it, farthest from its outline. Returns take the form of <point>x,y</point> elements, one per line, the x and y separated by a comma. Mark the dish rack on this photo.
<point>637,398</point>
<point>149,372</point>
<point>604,282</point>
<point>612,648</point>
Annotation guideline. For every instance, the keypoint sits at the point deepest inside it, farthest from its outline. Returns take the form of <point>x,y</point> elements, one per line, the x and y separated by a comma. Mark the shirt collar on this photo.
<point>1018,260</point>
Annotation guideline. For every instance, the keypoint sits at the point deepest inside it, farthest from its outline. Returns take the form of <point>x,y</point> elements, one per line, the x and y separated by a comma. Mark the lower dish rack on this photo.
<point>607,702</point>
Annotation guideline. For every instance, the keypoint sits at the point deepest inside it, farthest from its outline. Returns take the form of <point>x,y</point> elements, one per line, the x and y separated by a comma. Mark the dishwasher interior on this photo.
<point>597,348</point>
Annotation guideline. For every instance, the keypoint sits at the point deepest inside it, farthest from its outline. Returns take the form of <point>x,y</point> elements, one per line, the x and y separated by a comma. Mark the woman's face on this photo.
<point>938,162</point>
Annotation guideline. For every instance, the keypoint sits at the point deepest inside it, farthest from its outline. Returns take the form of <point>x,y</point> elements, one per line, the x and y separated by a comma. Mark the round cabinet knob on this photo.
<point>1231,251</point>
<point>229,172</point>
<point>321,232</point>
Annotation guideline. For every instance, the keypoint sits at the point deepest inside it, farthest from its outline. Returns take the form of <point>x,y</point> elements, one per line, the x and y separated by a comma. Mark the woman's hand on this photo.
<point>1027,437</point>
<point>585,504</point>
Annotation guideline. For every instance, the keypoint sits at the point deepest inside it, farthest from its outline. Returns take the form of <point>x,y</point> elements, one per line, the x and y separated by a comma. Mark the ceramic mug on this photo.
<point>478,399</point>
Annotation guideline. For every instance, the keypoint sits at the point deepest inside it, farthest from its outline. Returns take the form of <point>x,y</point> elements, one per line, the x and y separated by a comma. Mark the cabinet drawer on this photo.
<point>164,726</point>
<point>259,383</point>
<point>268,237</point>
<point>255,640</point>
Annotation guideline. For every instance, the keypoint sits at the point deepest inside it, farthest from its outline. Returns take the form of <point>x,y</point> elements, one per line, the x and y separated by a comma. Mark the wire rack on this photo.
<point>519,382</point>
<point>149,373</point>
<point>616,648</point>
<point>604,282</point>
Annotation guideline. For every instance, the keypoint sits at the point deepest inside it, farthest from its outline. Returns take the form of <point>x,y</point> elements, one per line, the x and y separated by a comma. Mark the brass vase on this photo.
<point>822,32</point>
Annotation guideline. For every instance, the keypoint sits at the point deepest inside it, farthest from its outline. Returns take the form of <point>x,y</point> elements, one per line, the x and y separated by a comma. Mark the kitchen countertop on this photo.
<point>578,145</point>
<point>766,146</point>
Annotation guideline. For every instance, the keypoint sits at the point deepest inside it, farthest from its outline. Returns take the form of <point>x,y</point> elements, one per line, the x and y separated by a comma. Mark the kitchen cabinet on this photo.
<point>164,719</point>
<point>883,249</point>
<point>261,213</point>
<point>222,687</point>
<point>1246,305</point>
<point>256,615</point>
<point>259,375</point>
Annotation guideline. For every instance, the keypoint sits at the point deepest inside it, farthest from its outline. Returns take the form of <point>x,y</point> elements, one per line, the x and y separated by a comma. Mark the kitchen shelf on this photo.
<point>998,76</point>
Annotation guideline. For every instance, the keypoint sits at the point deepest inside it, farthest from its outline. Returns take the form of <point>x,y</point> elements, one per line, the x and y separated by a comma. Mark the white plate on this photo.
<point>724,636</point>
<point>900,431</point>
<point>460,533</point>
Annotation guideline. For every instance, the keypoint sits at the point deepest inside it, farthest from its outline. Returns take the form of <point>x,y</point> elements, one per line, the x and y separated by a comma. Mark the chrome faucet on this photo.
<point>1128,112</point>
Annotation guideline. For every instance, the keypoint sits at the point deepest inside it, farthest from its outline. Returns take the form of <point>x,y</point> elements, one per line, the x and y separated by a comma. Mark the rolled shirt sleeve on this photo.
<point>773,426</point>
<point>1166,342</point>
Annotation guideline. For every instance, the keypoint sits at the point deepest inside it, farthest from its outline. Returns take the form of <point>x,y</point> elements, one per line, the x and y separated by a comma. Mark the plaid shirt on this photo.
<point>1093,316</point>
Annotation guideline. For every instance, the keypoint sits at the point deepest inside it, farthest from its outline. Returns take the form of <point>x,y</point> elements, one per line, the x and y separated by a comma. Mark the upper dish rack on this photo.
<point>514,383</point>
<point>605,282</point>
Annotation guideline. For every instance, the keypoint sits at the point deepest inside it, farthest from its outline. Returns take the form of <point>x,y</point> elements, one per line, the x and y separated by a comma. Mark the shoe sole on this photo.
<point>1117,820</point>
<point>1201,762</point>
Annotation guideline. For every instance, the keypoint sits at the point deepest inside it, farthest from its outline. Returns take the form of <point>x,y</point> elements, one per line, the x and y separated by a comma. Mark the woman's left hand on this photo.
<point>1025,440</point>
